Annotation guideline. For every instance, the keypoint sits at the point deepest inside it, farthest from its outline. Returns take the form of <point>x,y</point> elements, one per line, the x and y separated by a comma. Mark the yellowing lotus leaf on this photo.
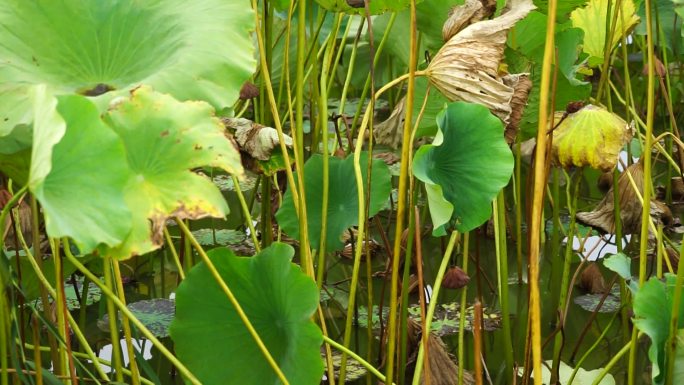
<point>164,141</point>
<point>594,20</point>
<point>592,137</point>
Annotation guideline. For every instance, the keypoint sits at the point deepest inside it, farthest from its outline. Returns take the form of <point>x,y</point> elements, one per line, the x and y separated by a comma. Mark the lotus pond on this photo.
<point>341,191</point>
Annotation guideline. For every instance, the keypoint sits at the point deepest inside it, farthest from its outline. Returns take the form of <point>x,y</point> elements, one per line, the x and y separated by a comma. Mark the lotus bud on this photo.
<point>249,91</point>
<point>455,278</point>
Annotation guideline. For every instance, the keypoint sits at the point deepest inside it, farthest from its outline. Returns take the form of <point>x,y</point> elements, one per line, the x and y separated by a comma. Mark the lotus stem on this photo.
<point>433,303</point>
<point>245,211</point>
<point>174,253</point>
<point>142,328</point>
<point>113,326</point>
<point>502,266</point>
<point>612,363</point>
<point>355,356</point>
<point>538,195</point>
<point>596,343</point>
<point>135,373</point>
<point>461,320</point>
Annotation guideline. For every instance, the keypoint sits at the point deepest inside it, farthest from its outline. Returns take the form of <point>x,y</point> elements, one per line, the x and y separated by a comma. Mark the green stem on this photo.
<point>126,325</point>
<point>113,324</point>
<point>142,328</point>
<point>406,147</point>
<point>593,347</point>
<point>461,321</point>
<point>245,211</point>
<point>355,356</point>
<point>433,303</point>
<point>502,264</point>
<point>176,260</point>
<point>612,363</point>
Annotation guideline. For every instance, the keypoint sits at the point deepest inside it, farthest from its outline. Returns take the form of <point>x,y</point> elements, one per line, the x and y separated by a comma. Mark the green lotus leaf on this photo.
<point>465,167</point>
<point>277,298</point>
<point>592,20</point>
<point>565,371</point>
<point>343,204</point>
<point>164,139</point>
<point>652,312</point>
<point>81,195</point>
<point>592,136</point>
<point>375,6</point>
<point>199,50</point>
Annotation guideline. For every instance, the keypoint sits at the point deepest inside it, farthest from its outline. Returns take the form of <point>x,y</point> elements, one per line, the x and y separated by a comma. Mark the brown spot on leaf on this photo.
<point>164,133</point>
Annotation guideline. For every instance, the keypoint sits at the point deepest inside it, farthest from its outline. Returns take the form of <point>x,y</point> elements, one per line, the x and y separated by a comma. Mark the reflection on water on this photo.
<point>596,246</point>
<point>141,345</point>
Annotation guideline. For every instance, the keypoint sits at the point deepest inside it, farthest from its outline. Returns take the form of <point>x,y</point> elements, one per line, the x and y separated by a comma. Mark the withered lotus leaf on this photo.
<point>466,68</point>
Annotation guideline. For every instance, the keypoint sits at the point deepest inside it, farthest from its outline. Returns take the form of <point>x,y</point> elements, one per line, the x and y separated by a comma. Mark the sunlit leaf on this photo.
<point>279,300</point>
<point>582,377</point>
<point>465,167</point>
<point>594,19</point>
<point>343,204</point>
<point>192,50</point>
<point>82,194</point>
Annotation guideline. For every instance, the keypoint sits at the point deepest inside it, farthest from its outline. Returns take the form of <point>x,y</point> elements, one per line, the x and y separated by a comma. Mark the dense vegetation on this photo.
<point>341,191</point>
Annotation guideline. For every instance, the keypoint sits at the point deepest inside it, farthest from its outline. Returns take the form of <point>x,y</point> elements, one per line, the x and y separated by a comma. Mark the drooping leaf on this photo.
<point>465,167</point>
<point>594,19</point>
<point>590,137</point>
<point>81,196</point>
<point>164,139</point>
<point>652,312</point>
<point>342,198</point>
<point>277,298</point>
<point>467,67</point>
<point>198,50</point>
<point>620,264</point>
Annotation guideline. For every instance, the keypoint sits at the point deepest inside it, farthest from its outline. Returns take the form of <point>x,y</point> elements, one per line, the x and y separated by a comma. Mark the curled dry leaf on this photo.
<point>442,369</point>
<point>255,139</point>
<point>602,217</point>
<point>522,85</point>
<point>467,66</point>
<point>591,136</point>
<point>249,91</point>
<point>463,15</point>
<point>389,132</point>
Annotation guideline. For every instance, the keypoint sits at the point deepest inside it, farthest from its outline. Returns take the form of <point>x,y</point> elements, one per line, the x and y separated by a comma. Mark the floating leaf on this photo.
<point>156,314</point>
<point>222,237</point>
<point>164,139</point>
<point>465,167</point>
<point>594,20</point>
<point>354,369</point>
<point>278,299</point>
<point>225,182</point>
<point>592,137</point>
<point>342,199</point>
<point>589,302</point>
<point>72,299</point>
